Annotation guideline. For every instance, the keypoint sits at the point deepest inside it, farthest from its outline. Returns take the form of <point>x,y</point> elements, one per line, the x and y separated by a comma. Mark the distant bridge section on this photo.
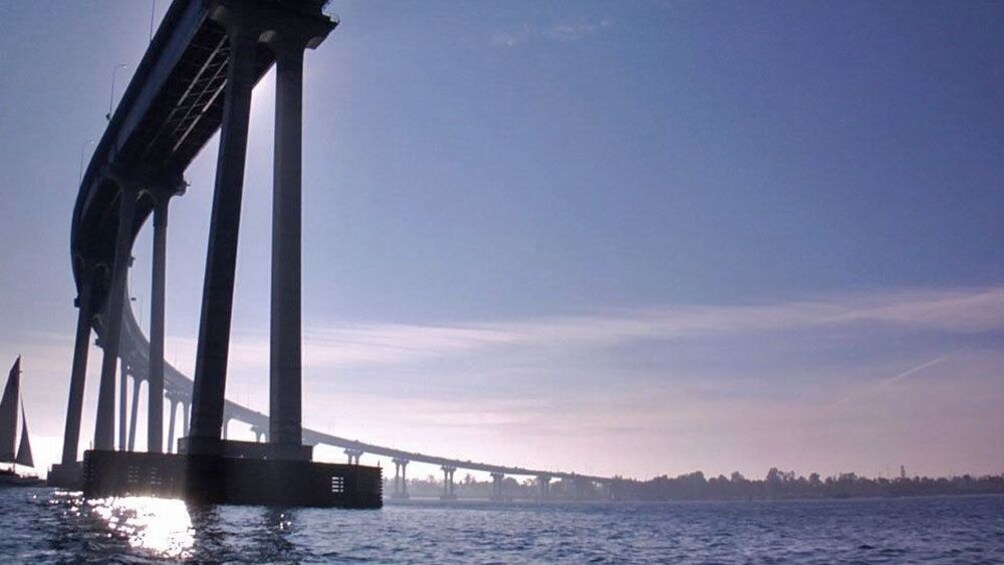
<point>178,390</point>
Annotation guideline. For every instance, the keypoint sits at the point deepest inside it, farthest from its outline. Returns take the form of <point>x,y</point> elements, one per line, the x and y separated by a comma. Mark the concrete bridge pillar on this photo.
<point>400,478</point>
<point>208,393</point>
<point>259,434</point>
<point>448,487</point>
<point>354,455</point>
<point>170,424</point>
<point>104,430</point>
<point>134,412</point>
<point>155,382</point>
<point>78,373</point>
<point>123,403</point>
<point>545,486</point>
<point>186,419</point>
<point>285,396</point>
<point>497,479</point>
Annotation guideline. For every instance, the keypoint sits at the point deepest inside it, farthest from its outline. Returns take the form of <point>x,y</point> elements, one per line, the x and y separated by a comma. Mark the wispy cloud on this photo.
<point>969,311</point>
<point>961,311</point>
<point>565,32</point>
<point>917,369</point>
<point>873,388</point>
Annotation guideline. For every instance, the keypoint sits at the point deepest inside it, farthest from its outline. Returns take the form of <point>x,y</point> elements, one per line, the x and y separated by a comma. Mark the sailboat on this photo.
<point>8,434</point>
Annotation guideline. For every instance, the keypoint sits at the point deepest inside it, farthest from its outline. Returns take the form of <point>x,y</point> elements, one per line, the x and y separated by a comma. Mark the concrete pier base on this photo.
<point>218,479</point>
<point>67,476</point>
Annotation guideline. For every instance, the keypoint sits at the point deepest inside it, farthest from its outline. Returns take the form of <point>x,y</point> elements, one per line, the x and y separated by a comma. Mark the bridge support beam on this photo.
<point>544,481</point>
<point>155,382</point>
<point>448,487</point>
<point>134,412</point>
<point>104,430</point>
<point>170,423</point>
<point>67,473</point>
<point>78,376</point>
<point>186,418</point>
<point>497,495</point>
<point>123,402</point>
<point>260,434</point>
<point>213,347</point>
<point>354,455</point>
<point>285,396</point>
<point>400,478</point>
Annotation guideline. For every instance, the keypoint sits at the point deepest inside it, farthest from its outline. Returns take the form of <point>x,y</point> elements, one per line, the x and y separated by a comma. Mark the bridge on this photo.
<point>195,80</point>
<point>135,358</point>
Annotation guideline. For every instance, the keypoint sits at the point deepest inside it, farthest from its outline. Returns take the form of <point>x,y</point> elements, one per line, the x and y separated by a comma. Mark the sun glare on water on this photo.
<point>158,525</point>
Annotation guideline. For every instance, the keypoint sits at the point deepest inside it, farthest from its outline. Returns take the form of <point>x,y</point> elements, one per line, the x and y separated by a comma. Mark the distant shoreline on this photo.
<point>777,485</point>
<point>780,485</point>
<point>435,501</point>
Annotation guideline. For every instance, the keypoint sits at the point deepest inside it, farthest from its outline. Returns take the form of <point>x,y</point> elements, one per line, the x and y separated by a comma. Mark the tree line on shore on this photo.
<point>777,484</point>
<point>780,484</point>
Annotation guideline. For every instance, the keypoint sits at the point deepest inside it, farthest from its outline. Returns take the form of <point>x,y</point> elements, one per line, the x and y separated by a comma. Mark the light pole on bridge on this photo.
<point>111,97</point>
<point>140,299</point>
<point>153,11</point>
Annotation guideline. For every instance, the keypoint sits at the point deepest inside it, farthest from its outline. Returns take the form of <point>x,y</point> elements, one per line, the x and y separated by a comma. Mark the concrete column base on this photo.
<point>214,479</point>
<point>66,476</point>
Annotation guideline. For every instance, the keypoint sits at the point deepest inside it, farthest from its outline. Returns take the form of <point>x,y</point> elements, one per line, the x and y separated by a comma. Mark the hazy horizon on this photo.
<point>617,239</point>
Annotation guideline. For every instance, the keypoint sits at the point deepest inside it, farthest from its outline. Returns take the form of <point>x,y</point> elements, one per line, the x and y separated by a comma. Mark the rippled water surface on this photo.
<point>41,525</point>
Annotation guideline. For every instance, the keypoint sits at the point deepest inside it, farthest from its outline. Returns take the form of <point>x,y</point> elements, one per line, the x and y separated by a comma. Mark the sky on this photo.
<point>631,238</point>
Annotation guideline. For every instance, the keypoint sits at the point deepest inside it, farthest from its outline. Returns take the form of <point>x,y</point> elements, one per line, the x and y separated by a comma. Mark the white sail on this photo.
<point>8,413</point>
<point>24,448</point>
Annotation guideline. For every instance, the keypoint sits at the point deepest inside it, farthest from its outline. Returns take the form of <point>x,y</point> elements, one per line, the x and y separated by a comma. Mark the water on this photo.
<point>42,526</point>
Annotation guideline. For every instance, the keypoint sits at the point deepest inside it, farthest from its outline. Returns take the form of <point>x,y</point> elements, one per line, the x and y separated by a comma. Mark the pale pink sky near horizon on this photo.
<point>459,389</point>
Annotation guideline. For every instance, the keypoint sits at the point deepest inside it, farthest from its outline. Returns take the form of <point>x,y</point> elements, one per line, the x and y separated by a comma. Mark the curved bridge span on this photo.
<point>178,388</point>
<point>196,80</point>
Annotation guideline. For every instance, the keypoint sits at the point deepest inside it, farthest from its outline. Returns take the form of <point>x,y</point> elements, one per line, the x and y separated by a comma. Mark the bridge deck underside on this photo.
<point>189,107</point>
<point>185,112</point>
